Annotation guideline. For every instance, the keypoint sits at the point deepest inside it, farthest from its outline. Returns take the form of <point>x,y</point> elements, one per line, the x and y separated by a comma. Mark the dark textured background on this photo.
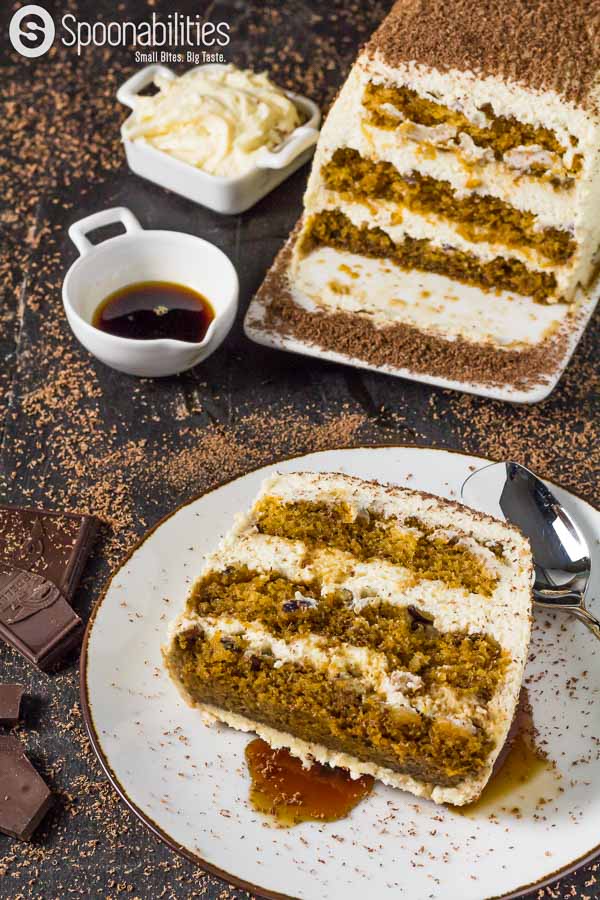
<point>77,435</point>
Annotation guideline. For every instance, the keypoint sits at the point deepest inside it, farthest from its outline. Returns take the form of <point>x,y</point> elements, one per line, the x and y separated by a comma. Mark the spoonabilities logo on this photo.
<point>32,31</point>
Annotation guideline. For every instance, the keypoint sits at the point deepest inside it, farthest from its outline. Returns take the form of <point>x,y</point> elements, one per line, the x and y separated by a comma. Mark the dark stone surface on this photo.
<point>77,435</point>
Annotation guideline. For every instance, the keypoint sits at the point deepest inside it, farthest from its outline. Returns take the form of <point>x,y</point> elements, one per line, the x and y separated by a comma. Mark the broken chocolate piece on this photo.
<point>35,618</point>
<point>53,545</point>
<point>10,703</point>
<point>24,796</point>
<point>42,555</point>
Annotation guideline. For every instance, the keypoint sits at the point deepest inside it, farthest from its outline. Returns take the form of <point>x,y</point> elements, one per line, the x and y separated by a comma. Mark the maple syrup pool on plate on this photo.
<point>151,310</point>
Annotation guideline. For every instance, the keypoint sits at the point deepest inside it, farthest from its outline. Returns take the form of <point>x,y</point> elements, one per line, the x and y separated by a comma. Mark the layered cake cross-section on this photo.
<point>365,626</point>
<point>454,191</point>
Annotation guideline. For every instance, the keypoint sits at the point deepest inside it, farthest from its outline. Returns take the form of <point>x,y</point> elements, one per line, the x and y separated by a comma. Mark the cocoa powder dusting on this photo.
<point>541,44</point>
<point>79,437</point>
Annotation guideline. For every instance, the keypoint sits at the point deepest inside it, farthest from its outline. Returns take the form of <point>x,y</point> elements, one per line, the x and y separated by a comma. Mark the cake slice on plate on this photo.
<point>365,626</point>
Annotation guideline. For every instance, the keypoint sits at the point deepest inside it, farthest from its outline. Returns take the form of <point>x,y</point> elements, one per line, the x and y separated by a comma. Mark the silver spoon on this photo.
<point>561,555</point>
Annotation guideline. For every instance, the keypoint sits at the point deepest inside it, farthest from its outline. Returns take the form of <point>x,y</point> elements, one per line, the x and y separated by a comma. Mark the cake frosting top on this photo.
<point>546,45</point>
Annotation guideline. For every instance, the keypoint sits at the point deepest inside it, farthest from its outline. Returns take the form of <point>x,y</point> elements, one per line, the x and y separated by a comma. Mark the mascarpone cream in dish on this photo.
<point>217,119</point>
<point>364,626</point>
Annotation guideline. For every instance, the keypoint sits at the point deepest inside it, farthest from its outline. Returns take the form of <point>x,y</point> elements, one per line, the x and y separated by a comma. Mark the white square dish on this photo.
<point>227,195</point>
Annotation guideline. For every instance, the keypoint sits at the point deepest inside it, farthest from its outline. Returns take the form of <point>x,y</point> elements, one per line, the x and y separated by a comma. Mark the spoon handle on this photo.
<point>553,597</point>
<point>591,621</point>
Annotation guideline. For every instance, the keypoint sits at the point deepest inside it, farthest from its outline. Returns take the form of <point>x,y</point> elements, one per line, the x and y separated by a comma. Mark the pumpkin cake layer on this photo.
<point>362,625</point>
<point>332,228</point>
<point>453,194</point>
<point>395,107</point>
<point>478,217</point>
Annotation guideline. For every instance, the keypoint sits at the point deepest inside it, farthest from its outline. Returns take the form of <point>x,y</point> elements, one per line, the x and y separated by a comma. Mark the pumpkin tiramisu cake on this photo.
<point>450,223</point>
<point>365,626</point>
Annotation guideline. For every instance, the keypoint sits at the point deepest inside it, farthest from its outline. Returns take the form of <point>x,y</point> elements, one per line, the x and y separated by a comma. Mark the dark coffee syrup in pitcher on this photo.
<point>151,310</point>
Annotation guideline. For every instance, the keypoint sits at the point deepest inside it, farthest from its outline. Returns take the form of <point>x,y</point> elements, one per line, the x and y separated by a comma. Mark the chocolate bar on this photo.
<point>35,618</point>
<point>53,545</point>
<point>10,703</point>
<point>24,796</point>
<point>42,555</point>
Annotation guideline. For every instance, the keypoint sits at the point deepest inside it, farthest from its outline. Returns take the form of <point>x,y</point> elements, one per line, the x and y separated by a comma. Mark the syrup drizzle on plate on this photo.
<point>281,787</point>
<point>524,779</point>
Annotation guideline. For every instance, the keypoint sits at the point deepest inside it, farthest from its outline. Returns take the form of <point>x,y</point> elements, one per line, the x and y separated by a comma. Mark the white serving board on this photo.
<point>468,305</point>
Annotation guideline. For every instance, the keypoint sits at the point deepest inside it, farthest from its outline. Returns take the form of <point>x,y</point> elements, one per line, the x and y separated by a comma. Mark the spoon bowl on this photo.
<point>562,563</point>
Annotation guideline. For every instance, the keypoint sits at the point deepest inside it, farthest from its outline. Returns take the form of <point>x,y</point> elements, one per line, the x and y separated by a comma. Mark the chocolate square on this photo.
<point>42,555</point>
<point>35,618</point>
<point>53,545</point>
<point>24,796</point>
<point>10,703</point>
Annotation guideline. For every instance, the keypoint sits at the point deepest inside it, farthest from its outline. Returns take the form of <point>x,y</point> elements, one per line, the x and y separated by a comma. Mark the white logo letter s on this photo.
<point>34,36</point>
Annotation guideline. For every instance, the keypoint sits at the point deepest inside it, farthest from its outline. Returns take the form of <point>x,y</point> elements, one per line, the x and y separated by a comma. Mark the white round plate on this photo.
<point>188,782</point>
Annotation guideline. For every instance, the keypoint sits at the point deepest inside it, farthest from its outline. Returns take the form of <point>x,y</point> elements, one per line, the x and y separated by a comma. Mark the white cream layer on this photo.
<point>338,280</point>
